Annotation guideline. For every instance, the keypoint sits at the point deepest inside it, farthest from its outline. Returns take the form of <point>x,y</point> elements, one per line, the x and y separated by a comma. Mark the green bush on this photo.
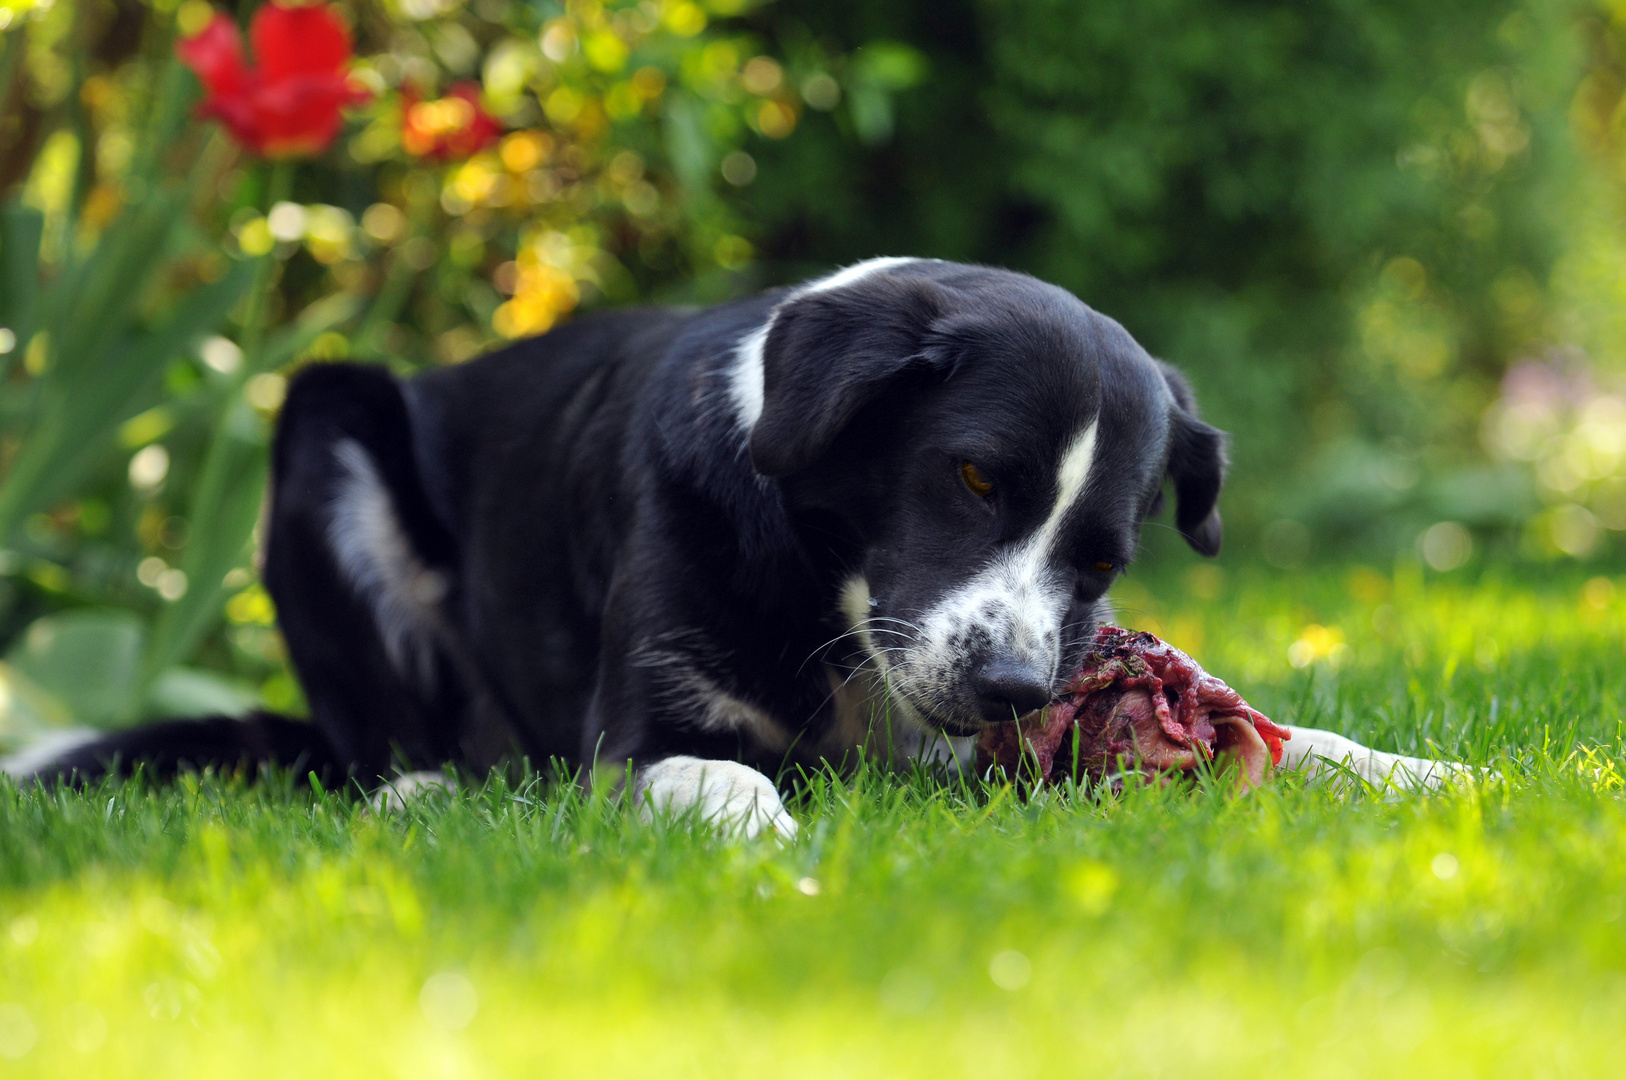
<point>1346,220</point>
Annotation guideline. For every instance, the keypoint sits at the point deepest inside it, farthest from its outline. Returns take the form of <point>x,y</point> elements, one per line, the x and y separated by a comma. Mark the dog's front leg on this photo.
<point>1320,753</point>
<point>667,699</point>
<point>727,795</point>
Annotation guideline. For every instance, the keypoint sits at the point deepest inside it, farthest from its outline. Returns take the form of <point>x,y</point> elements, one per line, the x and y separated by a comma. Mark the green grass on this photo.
<point>219,929</point>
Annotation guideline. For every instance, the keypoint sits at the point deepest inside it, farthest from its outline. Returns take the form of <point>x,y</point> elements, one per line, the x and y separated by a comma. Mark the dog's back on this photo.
<point>440,547</point>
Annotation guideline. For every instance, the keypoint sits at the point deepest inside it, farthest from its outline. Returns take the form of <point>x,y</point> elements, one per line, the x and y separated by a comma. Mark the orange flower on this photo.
<point>455,126</point>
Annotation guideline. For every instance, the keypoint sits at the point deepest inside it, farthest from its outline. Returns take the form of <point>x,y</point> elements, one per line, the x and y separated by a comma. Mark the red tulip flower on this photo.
<point>289,105</point>
<point>455,126</point>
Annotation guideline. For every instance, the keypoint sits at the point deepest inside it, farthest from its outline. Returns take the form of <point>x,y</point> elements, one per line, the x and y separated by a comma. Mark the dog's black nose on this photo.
<point>1007,688</point>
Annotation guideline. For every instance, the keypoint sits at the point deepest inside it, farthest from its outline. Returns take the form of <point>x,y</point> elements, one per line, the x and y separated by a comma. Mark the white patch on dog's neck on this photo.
<point>746,379</point>
<point>853,274</point>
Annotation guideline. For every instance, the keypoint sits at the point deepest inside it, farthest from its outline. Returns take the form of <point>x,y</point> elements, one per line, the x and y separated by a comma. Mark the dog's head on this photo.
<point>983,449</point>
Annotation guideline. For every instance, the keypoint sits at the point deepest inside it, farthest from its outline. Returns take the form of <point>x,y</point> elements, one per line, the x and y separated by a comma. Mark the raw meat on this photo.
<point>1136,703</point>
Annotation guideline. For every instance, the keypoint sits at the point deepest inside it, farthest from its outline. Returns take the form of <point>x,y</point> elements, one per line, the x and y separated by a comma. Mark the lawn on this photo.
<point>916,927</point>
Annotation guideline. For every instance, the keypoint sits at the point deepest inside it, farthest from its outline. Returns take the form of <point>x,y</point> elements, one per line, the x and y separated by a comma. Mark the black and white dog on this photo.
<point>881,510</point>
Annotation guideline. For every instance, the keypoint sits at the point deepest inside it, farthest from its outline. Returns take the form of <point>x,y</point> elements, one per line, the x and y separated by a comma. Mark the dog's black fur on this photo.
<point>583,548</point>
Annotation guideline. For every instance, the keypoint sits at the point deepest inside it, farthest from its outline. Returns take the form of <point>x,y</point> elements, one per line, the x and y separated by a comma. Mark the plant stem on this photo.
<point>84,169</point>
<point>278,188</point>
<point>212,478</point>
<point>220,516</point>
<point>398,282</point>
<point>11,54</point>
<point>164,119</point>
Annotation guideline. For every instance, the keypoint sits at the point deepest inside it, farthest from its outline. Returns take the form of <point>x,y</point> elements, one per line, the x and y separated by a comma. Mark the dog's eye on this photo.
<point>980,485</point>
<point>1103,567</point>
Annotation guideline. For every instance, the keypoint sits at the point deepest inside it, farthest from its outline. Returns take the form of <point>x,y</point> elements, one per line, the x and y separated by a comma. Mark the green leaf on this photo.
<point>890,65</point>
<point>21,228</point>
<point>216,544</point>
<point>871,110</point>
<point>94,303</point>
<point>165,120</point>
<point>312,323</point>
<point>182,691</point>
<point>28,712</point>
<point>79,412</point>
<point>880,70</point>
<point>89,659</point>
<point>687,144</point>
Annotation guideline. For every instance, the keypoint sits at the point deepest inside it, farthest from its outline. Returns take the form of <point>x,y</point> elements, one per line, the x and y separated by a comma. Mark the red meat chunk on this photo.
<point>1135,703</point>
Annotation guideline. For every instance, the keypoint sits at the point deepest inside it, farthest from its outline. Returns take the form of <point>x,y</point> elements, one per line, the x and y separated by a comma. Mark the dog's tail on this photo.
<point>167,747</point>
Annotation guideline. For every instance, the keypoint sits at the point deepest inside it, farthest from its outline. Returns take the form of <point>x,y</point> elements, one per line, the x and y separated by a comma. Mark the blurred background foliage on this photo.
<point>1387,240</point>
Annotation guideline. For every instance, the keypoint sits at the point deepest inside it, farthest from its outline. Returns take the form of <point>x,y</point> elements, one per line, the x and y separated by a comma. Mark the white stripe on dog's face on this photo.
<point>1072,476</point>
<point>1014,607</point>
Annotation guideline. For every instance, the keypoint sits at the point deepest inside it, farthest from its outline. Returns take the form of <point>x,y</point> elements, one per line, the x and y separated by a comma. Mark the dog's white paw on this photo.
<point>1324,752</point>
<point>395,795</point>
<point>734,798</point>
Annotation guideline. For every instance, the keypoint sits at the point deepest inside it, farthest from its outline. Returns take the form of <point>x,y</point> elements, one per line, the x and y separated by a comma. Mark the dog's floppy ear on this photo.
<point>1197,465</point>
<point>828,354</point>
